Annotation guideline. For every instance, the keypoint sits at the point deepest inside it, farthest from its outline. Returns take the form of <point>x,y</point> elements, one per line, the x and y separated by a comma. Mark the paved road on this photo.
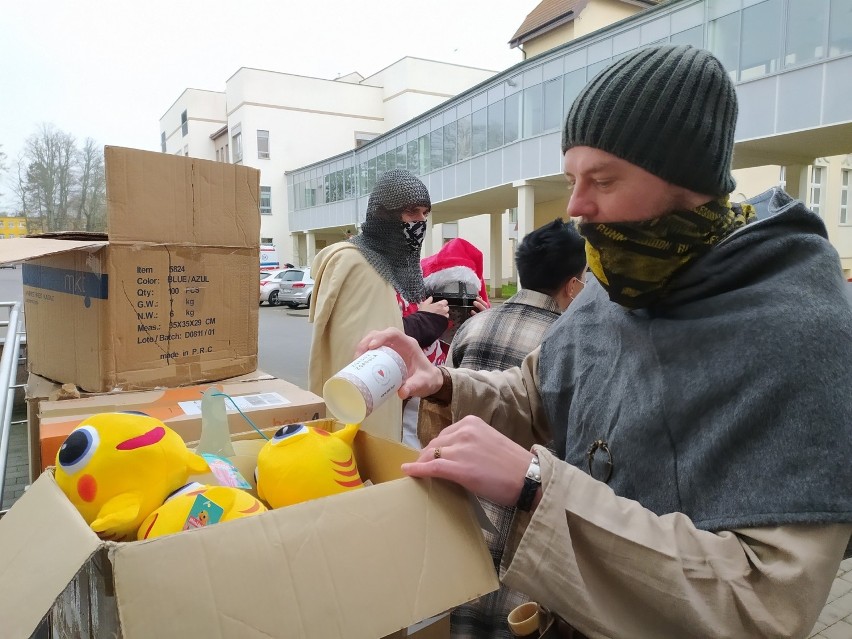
<point>284,343</point>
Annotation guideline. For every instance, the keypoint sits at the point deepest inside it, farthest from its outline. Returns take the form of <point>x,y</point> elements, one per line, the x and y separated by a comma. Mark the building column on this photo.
<point>297,253</point>
<point>496,262</point>
<point>428,242</point>
<point>526,210</point>
<point>311,239</point>
<point>796,181</point>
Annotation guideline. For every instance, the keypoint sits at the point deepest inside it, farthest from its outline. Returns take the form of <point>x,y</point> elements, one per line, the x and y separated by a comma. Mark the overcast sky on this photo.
<point>109,69</point>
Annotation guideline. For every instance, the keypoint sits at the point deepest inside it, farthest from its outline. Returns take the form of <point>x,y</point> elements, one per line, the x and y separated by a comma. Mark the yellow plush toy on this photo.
<point>197,505</point>
<point>301,463</point>
<point>117,468</point>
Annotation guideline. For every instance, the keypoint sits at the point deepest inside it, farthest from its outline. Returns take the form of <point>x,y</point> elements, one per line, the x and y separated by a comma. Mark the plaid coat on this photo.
<point>497,339</point>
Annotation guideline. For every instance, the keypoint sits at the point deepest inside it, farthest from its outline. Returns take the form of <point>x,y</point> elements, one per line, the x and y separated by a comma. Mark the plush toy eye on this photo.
<point>285,432</point>
<point>79,447</point>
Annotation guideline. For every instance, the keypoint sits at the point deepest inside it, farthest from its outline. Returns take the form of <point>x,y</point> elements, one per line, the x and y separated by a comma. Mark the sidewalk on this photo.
<point>17,464</point>
<point>835,622</point>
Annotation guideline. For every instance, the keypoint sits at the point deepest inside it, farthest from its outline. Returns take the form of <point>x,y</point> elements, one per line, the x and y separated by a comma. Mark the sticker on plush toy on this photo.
<point>225,471</point>
<point>204,512</point>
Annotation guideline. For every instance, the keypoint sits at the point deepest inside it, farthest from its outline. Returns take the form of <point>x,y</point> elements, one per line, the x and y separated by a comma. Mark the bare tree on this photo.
<point>91,210</point>
<point>60,187</point>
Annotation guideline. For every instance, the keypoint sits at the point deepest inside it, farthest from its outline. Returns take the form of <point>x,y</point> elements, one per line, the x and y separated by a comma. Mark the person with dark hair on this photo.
<point>696,392</point>
<point>374,281</point>
<point>551,263</point>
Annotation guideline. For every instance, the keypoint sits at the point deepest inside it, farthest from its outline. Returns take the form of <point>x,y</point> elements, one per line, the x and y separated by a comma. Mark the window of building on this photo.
<point>184,124</point>
<point>724,41</point>
<point>807,22</point>
<point>436,149</point>
<point>495,125</point>
<point>479,125</point>
<point>463,133</point>
<point>423,154</point>
<point>372,166</point>
<point>262,144</point>
<point>533,110</point>
<point>266,200</point>
<point>401,157</point>
<point>349,182</point>
<point>266,240</point>
<point>845,218</point>
<point>361,138</point>
<point>450,143</point>
<point>225,156</point>
<point>760,52</point>
<point>362,179</point>
<point>2,224</point>
<point>449,231</point>
<point>237,143</point>
<point>512,120</point>
<point>553,113</point>
<point>815,189</point>
<point>693,36</point>
<point>412,153</point>
<point>22,224</point>
<point>840,32</point>
<point>163,141</point>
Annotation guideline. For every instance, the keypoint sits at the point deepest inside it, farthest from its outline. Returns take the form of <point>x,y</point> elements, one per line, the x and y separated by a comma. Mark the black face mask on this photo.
<point>414,233</point>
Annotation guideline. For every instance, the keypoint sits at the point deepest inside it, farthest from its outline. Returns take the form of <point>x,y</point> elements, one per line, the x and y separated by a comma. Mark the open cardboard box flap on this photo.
<point>359,565</point>
<point>43,543</point>
<point>21,249</point>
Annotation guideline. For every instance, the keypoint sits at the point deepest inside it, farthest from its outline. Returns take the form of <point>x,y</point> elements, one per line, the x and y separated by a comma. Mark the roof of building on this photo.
<point>551,13</point>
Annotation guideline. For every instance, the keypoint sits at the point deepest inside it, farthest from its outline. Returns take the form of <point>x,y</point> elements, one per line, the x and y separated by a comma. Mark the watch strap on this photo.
<point>532,482</point>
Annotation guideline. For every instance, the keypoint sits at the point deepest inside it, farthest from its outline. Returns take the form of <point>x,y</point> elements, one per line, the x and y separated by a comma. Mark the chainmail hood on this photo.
<point>382,240</point>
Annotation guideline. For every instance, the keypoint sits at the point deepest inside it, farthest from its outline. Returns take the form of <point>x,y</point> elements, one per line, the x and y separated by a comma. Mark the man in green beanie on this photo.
<point>697,390</point>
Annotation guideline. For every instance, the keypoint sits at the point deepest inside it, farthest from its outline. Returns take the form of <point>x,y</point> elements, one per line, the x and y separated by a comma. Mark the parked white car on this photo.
<point>295,288</point>
<point>269,281</point>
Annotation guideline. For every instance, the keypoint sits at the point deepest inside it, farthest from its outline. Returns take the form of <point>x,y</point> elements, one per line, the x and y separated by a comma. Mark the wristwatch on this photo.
<point>532,482</point>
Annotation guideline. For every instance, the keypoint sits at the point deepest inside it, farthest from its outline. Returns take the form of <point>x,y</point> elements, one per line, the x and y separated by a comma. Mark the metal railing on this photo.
<point>8,383</point>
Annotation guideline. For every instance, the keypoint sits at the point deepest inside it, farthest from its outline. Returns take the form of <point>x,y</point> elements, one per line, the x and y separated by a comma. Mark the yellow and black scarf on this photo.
<point>636,261</point>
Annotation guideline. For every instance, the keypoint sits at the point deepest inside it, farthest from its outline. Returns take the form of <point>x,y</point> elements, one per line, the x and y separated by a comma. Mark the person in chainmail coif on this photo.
<point>373,281</point>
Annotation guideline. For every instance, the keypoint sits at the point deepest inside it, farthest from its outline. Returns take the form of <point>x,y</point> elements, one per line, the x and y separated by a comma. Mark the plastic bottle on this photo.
<point>215,434</point>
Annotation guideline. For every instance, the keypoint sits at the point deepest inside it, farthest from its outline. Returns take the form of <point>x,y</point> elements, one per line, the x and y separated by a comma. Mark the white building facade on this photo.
<point>276,122</point>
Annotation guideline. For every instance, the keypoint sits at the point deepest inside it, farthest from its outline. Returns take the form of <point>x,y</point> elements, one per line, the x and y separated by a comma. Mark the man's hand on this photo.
<point>479,305</point>
<point>441,307</point>
<point>477,457</point>
<point>424,378</point>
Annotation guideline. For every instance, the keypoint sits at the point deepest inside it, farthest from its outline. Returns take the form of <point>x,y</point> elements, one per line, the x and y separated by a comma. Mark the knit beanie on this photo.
<point>382,240</point>
<point>670,110</point>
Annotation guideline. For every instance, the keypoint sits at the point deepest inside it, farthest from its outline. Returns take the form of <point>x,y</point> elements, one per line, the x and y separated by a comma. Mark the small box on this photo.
<point>167,298</point>
<point>267,402</point>
<point>358,565</point>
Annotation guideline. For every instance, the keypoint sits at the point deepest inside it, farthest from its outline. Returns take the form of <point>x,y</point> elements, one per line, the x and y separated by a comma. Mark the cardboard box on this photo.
<point>168,298</point>
<point>39,390</point>
<point>268,402</point>
<point>359,565</point>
